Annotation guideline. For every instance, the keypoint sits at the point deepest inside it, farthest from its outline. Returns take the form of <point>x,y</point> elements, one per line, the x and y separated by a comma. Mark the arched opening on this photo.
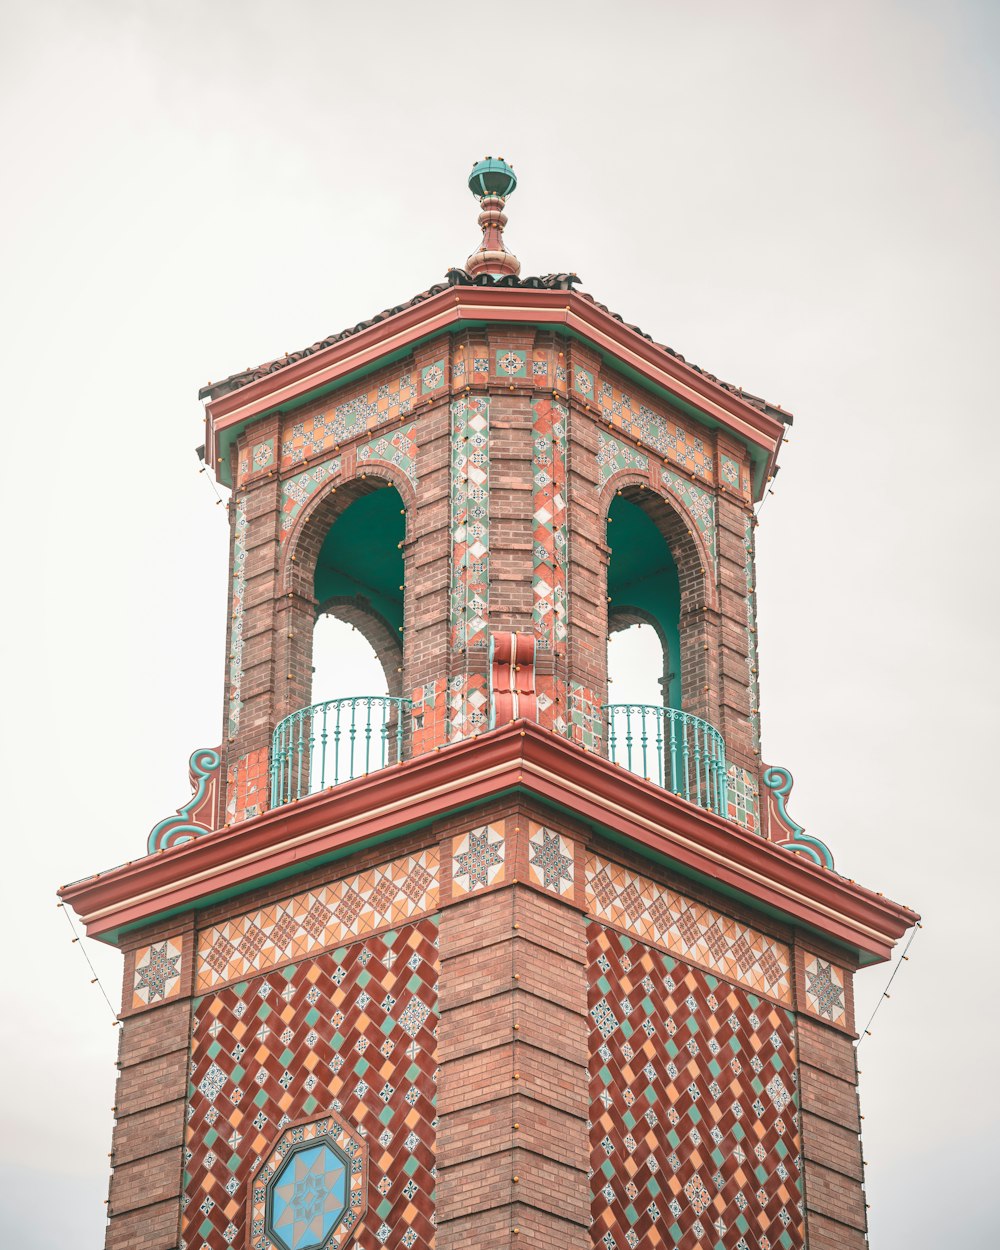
<point>350,555</point>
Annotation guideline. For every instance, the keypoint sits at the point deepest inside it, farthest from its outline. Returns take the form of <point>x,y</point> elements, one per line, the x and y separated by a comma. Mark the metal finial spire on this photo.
<point>491,181</point>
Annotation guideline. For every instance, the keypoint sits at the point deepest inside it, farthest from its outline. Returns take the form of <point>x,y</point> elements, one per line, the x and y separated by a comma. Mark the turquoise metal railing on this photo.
<point>680,752</point>
<point>335,741</point>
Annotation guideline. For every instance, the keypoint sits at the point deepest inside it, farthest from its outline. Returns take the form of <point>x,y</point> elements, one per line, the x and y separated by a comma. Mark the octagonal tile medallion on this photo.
<point>310,1191</point>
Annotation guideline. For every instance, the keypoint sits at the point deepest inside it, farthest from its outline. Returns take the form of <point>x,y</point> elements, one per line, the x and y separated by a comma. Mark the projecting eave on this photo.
<point>520,758</point>
<point>757,424</point>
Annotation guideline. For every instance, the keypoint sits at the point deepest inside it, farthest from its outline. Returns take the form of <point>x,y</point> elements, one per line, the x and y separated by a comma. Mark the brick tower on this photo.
<point>488,960</point>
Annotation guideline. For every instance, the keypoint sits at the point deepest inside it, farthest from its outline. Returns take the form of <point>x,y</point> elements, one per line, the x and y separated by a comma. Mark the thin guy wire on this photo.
<point>97,980</point>
<point>885,992</point>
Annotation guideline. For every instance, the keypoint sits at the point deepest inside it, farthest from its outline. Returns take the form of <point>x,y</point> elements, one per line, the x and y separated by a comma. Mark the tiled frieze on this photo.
<point>743,797</point>
<point>825,989</point>
<point>694,1107</point>
<point>699,505</point>
<point>655,914</point>
<point>390,894</point>
<point>350,1031</point>
<point>237,600</point>
<point>657,431</point>
<point>156,972</point>
<point>304,438</point>
<point>550,860</point>
<point>298,490</point>
<point>477,860</point>
<point>470,485</point>
<point>614,455</point>
<point>754,690</point>
<point>734,475</point>
<point>550,535</point>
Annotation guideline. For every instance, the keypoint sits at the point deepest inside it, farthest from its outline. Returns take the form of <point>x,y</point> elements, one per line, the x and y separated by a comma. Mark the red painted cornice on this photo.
<point>446,310</point>
<point>521,755</point>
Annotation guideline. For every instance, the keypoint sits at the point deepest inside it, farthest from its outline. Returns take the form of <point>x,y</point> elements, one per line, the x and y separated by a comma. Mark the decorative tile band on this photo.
<point>754,690</point>
<point>658,432</point>
<point>298,490</point>
<point>743,798</point>
<point>468,705</point>
<point>318,919</point>
<point>550,539</point>
<point>694,1137</point>
<point>613,455</point>
<point>157,973</point>
<point>699,505</point>
<point>239,585</point>
<point>398,448</point>
<point>363,411</point>
<point>350,1032</point>
<point>688,929</point>
<point>470,491</point>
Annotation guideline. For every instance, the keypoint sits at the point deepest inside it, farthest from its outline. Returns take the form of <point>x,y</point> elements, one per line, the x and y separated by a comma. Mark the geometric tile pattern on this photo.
<point>511,364</point>
<point>754,691</point>
<point>584,724</point>
<point>687,929</point>
<point>432,376</point>
<point>362,412</point>
<point>583,382</point>
<point>663,435</point>
<point>318,919</point>
<point>825,990</point>
<point>694,1138</point>
<point>470,486</point>
<point>398,448</point>
<point>699,504</point>
<point>238,594</point>
<point>549,535</point>
<point>550,860</point>
<point>477,860</point>
<point>613,456</point>
<point>297,490</point>
<point>311,1189</point>
<point>743,798</point>
<point>467,705</point>
<point>157,976</point>
<point>352,1031</point>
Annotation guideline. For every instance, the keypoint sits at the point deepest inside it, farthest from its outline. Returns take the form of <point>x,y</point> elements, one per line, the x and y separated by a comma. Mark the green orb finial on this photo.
<point>492,176</point>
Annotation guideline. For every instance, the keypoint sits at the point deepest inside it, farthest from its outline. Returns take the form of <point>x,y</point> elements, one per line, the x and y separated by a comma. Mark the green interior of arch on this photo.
<point>642,575</point>
<point>361,555</point>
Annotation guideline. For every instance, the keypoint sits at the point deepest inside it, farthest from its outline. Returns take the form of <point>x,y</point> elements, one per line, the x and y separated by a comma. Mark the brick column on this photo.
<point>513,1150</point>
<point>733,639</point>
<point>833,1171</point>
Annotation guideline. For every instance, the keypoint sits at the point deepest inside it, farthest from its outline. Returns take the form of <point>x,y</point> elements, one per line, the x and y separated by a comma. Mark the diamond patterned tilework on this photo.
<point>237,596</point>
<point>352,1031</point>
<point>825,990</point>
<point>743,803</point>
<point>468,701</point>
<point>699,505</point>
<point>653,913</point>
<point>549,533</point>
<point>660,433</point>
<point>694,1124</point>
<point>318,919</point>
<point>157,973</point>
<point>584,724</point>
<point>297,490</point>
<point>550,860</point>
<point>364,411</point>
<point>754,691</point>
<point>614,455</point>
<point>398,448</point>
<point>583,383</point>
<point>470,487</point>
<point>477,860</point>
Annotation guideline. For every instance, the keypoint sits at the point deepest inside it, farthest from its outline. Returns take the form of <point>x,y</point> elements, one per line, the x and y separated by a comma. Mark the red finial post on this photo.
<point>491,181</point>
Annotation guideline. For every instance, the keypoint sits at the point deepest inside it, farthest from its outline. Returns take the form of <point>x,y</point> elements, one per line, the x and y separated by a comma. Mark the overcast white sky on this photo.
<point>803,198</point>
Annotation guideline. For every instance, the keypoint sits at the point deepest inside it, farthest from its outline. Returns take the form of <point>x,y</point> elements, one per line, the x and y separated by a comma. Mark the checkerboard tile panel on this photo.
<point>352,1030</point>
<point>653,913</point>
<point>319,919</point>
<point>694,1124</point>
<point>303,438</point>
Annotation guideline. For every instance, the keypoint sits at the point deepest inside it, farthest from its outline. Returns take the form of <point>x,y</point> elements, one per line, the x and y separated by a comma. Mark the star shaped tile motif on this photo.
<point>157,972</point>
<point>825,990</point>
<point>551,860</point>
<point>477,859</point>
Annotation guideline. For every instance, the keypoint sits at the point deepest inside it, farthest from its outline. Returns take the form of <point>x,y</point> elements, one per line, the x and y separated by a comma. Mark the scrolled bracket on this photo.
<point>197,817</point>
<point>791,836</point>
